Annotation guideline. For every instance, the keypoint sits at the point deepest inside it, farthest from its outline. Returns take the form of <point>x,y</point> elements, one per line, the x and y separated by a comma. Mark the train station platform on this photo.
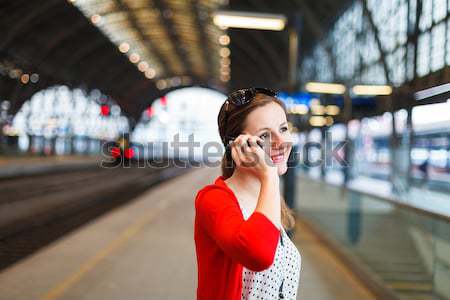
<point>145,250</point>
<point>421,198</point>
<point>397,247</point>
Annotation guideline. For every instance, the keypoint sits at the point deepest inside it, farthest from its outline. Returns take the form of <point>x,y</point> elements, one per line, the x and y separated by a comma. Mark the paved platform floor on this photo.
<point>145,250</point>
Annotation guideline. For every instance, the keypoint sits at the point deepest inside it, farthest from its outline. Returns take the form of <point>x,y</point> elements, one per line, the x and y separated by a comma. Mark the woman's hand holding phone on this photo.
<point>247,152</point>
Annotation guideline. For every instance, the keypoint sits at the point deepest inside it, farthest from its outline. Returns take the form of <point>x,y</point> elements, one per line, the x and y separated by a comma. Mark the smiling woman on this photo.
<point>243,251</point>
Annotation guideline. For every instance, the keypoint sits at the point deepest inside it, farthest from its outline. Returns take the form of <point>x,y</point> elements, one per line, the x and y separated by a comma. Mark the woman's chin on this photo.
<point>282,168</point>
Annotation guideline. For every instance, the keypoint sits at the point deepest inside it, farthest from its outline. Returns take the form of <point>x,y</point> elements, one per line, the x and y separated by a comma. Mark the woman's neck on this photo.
<point>246,183</point>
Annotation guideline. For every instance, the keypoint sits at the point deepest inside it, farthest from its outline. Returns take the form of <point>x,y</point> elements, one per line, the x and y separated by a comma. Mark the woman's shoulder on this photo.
<point>214,193</point>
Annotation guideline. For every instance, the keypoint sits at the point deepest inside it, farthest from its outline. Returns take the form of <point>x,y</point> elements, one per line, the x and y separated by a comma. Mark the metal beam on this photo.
<point>264,42</point>
<point>207,53</point>
<point>250,54</point>
<point>256,50</point>
<point>241,77</point>
<point>414,38</point>
<point>318,31</point>
<point>133,21</point>
<point>103,67</point>
<point>249,64</point>
<point>374,28</point>
<point>29,20</point>
<point>62,35</point>
<point>273,57</point>
<point>88,48</point>
<point>174,39</point>
<point>241,64</point>
<point>259,5</point>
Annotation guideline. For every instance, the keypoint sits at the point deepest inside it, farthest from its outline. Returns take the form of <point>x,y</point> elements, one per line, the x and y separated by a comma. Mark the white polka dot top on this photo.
<point>281,279</point>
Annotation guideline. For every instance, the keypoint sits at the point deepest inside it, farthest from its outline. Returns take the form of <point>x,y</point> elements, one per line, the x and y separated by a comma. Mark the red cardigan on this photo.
<point>225,242</point>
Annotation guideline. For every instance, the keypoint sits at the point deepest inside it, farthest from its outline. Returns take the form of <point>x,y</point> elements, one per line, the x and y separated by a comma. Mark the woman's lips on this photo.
<point>277,158</point>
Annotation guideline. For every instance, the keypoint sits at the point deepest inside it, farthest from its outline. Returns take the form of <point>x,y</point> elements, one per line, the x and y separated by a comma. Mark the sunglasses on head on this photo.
<point>245,96</point>
<point>239,98</point>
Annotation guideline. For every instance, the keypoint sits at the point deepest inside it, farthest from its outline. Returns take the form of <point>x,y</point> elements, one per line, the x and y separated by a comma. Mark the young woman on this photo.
<point>243,251</point>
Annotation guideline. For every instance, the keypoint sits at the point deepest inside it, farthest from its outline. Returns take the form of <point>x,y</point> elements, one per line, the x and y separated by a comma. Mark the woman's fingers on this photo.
<point>239,148</point>
<point>247,154</point>
<point>241,139</point>
<point>236,151</point>
<point>247,150</point>
<point>235,156</point>
<point>255,141</point>
<point>258,146</point>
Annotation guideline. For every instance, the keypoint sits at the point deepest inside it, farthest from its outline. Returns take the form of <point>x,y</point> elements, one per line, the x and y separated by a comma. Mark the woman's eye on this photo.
<point>264,135</point>
<point>283,129</point>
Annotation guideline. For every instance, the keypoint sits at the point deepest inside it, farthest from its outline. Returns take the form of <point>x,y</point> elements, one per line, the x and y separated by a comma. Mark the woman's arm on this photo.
<point>250,156</point>
<point>250,242</point>
<point>269,198</point>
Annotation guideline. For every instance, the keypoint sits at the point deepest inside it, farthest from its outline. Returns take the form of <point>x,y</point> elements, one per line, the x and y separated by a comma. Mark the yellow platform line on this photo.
<point>411,286</point>
<point>127,234</point>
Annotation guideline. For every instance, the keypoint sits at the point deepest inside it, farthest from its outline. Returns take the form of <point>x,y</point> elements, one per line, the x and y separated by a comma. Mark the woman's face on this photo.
<point>269,122</point>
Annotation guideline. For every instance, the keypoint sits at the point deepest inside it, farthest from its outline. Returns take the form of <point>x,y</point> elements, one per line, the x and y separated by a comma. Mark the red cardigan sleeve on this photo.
<point>250,242</point>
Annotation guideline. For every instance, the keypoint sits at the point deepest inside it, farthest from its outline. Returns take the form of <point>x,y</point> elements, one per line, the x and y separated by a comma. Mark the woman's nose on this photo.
<point>276,140</point>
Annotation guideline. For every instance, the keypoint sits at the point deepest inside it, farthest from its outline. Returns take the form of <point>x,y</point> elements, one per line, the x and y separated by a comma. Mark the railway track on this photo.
<point>35,211</point>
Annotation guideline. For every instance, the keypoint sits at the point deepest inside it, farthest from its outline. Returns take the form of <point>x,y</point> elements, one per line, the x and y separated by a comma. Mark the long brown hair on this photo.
<point>237,116</point>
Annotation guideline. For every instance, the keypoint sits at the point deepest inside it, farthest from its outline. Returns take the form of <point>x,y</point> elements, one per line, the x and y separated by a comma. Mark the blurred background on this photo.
<point>108,111</point>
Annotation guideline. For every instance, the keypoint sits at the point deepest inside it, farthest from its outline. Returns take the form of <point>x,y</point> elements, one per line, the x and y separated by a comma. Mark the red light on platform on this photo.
<point>163,100</point>
<point>149,111</point>
<point>115,152</point>
<point>104,110</point>
<point>128,153</point>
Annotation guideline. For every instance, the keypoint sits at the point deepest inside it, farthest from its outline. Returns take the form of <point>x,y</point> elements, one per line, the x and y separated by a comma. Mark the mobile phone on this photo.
<point>228,146</point>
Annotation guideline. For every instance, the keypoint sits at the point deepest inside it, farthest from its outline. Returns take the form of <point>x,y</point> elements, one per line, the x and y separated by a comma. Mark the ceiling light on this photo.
<point>317,121</point>
<point>317,109</point>
<point>225,52</point>
<point>225,61</point>
<point>124,47</point>
<point>224,77</point>
<point>300,109</point>
<point>431,92</point>
<point>143,66</point>
<point>249,20</point>
<point>224,40</point>
<point>325,88</point>
<point>150,73</point>
<point>15,73</point>
<point>34,78</point>
<point>161,84</point>
<point>95,19</point>
<point>372,90</point>
<point>134,58</point>
<point>329,121</point>
<point>332,110</point>
<point>25,78</point>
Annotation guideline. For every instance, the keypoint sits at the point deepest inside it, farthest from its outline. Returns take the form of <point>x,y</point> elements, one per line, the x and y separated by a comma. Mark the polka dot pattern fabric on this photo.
<point>285,271</point>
